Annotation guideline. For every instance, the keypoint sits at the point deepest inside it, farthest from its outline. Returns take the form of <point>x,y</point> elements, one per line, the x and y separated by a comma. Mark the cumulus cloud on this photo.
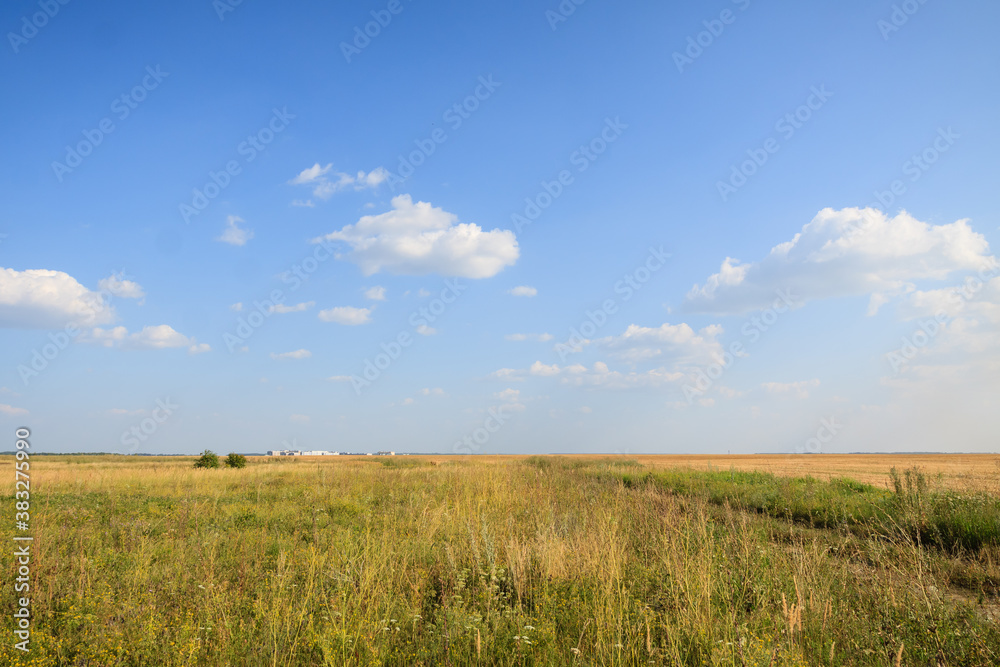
<point>11,411</point>
<point>237,307</point>
<point>233,233</point>
<point>427,391</point>
<point>375,293</point>
<point>849,252</point>
<point>118,286</point>
<point>44,299</point>
<point>297,354</point>
<point>677,341</point>
<point>522,290</point>
<point>510,400</point>
<point>597,376</point>
<point>158,337</point>
<point>281,308</point>
<point>960,328</point>
<point>311,174</point>
<point>419,239</point>
<point>326,184</point>
<point>346,315</point>
<point>425,330</point>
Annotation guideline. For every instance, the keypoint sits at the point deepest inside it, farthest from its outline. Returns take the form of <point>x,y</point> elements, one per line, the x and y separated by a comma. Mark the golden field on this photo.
<point>562,560</point>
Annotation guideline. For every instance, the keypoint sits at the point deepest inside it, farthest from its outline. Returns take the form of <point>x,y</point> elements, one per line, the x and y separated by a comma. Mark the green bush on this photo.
<point>236,461</point>
<point>208,459</point>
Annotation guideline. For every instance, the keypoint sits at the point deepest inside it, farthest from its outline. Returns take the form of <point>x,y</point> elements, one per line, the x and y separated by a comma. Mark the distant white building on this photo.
<point>295,452</point>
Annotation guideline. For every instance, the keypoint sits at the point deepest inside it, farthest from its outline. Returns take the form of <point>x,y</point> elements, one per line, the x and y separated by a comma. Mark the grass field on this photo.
<point>809,560</point>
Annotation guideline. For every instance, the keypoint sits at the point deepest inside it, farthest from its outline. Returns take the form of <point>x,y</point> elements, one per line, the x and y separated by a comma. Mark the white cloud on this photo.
<point>408,401</point>
<point>346,315</point>
<point>508,374</point>
<point>798,389</point>
<point>340,378</point>
<point>584,410</point>
<point>437,391</point>
<point>522,290</point>
<point>425,330</point>
<point>677,341</point>
<point>598,376</point>
<point>508,395</point>
<point>11,411</point>
<point>375,293</point>
<point>541,338</point>
<point>849,252</point>
<point>238,306</point>
<point>418,239</point>
<point>44,299</point>
<point>281,308</point>
<point>158,337</point>
<point>301,419</point>
<point>116,285</point>
<point>297,354</point>
<point>303,203</point>
<point>234,234</point>
<point>510,400</point>
<point>311,175</point>
<point>540,369</point>
<point>324,187</point>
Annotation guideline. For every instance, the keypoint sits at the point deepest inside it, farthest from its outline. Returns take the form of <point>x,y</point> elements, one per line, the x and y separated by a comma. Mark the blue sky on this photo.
<point>629,227</point>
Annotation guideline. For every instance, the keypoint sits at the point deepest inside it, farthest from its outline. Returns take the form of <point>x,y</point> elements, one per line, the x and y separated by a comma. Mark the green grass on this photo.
<point>948,520</point>
<point>545,561</point>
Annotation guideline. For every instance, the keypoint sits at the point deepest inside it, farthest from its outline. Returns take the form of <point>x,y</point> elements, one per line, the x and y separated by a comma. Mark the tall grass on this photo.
<point>566,562</point>
<point>946,519</point>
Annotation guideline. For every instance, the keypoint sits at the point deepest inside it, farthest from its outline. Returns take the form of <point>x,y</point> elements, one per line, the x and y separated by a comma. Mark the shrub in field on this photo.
<point>208,459</point>
<point>236,461</point>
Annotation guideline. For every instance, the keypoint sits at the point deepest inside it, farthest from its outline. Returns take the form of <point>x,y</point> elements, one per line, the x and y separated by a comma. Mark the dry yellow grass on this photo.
<point>475,561</point>
<point>974,472</point>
